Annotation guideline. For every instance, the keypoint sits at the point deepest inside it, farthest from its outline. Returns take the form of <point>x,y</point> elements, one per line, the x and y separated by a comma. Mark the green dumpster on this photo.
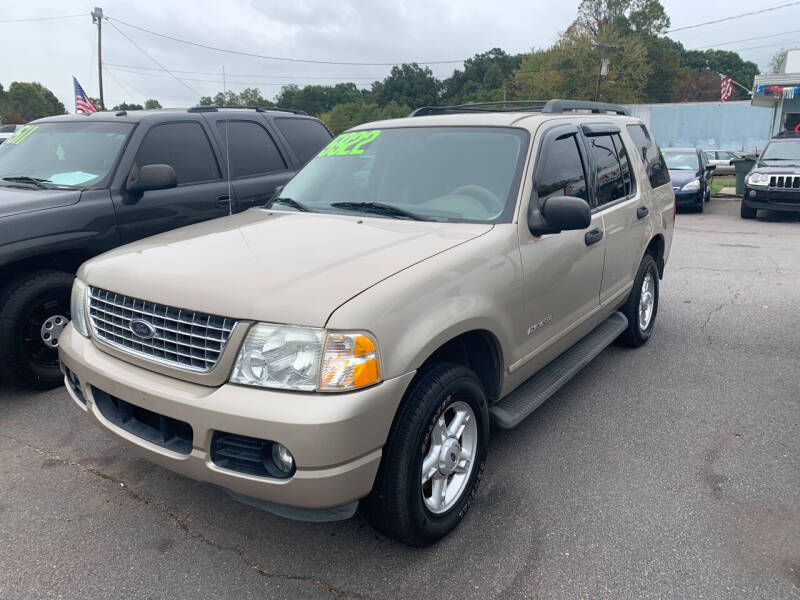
<point>742,166</point>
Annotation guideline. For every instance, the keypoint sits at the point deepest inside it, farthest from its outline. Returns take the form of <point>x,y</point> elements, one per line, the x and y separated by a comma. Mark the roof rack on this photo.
<point>544,106</point>
<point>198,109</point>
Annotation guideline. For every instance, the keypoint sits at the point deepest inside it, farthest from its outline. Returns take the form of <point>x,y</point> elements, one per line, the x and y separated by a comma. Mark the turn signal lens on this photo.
<point>349,361</point>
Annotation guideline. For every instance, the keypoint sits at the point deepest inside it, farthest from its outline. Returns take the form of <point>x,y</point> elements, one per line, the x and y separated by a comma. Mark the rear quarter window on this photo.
<point>306,136</point>
<point>654,164</point>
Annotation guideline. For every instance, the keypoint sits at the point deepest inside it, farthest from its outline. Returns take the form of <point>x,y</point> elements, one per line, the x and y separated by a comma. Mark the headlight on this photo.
<point>77,308</point>
<point>758,179</point>
<point>350,361</point>
<point>305,358</point>
<point>692,186</point>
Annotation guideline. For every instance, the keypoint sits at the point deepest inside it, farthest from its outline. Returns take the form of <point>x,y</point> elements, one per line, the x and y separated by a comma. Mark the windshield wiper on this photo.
<point>791,159</point>
<point>26,179</point>
<point>379,208</point>
<point>289,202</point>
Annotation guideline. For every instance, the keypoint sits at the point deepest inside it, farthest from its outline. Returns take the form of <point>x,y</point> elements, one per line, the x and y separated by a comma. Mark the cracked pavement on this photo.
<point>668,471</point>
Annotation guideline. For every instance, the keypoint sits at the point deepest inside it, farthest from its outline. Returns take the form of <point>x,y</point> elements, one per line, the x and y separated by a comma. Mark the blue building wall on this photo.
<point>707,125</point>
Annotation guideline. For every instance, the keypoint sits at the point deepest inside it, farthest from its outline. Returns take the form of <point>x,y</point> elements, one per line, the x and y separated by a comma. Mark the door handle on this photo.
<point>223,201</point>
<point>593,236</point>
<point>642,212</point>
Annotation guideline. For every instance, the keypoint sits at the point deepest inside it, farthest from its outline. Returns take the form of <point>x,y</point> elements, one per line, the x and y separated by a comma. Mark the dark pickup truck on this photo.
<point>74,186</point>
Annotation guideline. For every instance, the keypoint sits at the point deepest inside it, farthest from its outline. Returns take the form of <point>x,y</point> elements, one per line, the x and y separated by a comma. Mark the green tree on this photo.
<point>725,62</point>
<point>11,117</point>
<point>411,85</point>
<point>30,101</point>
<point>483,78</point>
<point>126,106</point>
<point>151,104</point>
<point>776,62</point>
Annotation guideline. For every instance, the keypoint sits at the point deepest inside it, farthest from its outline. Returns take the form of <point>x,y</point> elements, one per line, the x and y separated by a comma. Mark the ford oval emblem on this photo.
<point>142,329</point>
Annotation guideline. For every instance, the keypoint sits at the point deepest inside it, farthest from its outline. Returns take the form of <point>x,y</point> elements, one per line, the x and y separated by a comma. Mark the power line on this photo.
<point>122,85</point>
<point>747,14</point>
<point>747,39</point>
<point>297,60</point>
<point>122,33</point>
<point>290,76</point>
<point>41,18</point>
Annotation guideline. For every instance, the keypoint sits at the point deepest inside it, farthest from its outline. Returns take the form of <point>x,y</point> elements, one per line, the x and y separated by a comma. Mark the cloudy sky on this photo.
<point>356,31</point>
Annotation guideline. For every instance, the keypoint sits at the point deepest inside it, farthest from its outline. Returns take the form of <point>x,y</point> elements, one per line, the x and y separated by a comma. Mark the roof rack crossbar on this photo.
<point>198,109</point>
<point>513,106</point>
<point>545,106</point>
<point>559,106</point>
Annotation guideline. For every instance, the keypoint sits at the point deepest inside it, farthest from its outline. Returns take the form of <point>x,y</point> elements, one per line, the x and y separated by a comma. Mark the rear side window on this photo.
<point>306,136</point>
<point>608,171</point>
<point>654,164</point>
<point>562,170</point>
<point>252,150</point>
<point>185,147</point>
<point>624,164</point>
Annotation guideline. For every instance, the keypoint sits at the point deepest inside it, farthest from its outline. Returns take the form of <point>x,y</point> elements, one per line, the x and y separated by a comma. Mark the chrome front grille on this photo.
<point>784,181</point>
<point>181,338</point>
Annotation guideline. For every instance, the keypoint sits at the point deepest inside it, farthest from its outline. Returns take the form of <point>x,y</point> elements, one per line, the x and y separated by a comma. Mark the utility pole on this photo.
<point>97,17</point>
<point>603,66</point>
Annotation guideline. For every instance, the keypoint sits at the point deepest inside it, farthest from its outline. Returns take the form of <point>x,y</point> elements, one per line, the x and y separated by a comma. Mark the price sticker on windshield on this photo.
<point>22,134</point>
<point>350,144</point>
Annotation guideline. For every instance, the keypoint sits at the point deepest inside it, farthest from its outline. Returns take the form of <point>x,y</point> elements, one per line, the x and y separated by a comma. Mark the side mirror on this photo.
<point>151,177</point>
<point>711,167</point>
<point>561,213</point>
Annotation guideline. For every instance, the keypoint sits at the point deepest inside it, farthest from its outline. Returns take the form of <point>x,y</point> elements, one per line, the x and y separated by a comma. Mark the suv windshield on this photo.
<point>681,161</point>
<point>458,174</point>
<point>783,150</point>
<point>72,154</point>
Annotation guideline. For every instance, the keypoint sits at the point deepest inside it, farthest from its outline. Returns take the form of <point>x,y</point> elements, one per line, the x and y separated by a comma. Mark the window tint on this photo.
<point>306,136</point>
<point>252,150</point>
<point>624,163</point>
<point>608,173</point>
<point>183,146</point>
<point>562,171</point>
<point>654,164</point>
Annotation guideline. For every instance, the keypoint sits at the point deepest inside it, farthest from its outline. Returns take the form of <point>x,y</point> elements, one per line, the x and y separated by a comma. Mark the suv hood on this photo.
<point>783,166</point>
<point>275,266</point>
<point>16,200</point>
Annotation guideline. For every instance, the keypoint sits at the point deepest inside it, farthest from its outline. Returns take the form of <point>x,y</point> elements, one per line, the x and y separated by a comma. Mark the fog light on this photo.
<point>282,458</point>
<point>752,193</point>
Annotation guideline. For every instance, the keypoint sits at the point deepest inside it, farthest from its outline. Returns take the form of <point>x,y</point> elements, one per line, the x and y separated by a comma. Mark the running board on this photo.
<point>512,409</point>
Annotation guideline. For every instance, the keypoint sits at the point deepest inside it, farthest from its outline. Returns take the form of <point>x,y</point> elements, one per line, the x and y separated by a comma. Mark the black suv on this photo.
<point>74,186</point>
<point>774,182</point>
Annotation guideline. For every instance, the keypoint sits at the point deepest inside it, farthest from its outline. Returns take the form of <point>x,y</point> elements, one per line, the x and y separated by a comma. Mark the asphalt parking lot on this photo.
<point>672,471</point>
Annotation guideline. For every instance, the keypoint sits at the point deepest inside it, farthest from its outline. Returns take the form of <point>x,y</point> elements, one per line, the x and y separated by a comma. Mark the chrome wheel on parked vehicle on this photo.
<point>646,301</point>
<point>448,463</point>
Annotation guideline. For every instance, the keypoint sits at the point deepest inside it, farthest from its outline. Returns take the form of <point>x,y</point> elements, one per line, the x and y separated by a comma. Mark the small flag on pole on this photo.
<point>82,102</point>
<point>725,87</point>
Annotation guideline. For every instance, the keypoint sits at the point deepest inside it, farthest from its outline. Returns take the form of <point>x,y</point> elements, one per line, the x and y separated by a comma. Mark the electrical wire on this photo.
<point>41,18</point>
<point>731,18</point>
<point>339,77</point>
<point>282,58</point>
<point>122,33</point>
<point>747,39</point>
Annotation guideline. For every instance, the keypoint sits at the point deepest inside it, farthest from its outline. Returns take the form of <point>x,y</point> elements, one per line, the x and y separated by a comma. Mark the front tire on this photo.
<point>746,212</point>
<point>433,459</point>
<point>34,311</point>
<point>641,307</point>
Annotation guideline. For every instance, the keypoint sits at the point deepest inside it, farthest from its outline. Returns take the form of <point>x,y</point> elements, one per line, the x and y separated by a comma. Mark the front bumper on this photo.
<point>772,199</point>
<point>336,439</point>
<point>688,198</point>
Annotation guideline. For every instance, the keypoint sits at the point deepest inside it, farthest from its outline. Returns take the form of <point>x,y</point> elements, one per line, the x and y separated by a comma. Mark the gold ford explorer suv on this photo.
<point>353,340</point>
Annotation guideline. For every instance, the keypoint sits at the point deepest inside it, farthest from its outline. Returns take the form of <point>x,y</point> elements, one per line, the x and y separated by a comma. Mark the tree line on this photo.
<point>644,66</point>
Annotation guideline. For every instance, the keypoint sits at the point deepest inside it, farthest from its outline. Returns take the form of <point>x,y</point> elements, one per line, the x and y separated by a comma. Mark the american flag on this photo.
<point>725,87</point>
<point>82,102</point>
